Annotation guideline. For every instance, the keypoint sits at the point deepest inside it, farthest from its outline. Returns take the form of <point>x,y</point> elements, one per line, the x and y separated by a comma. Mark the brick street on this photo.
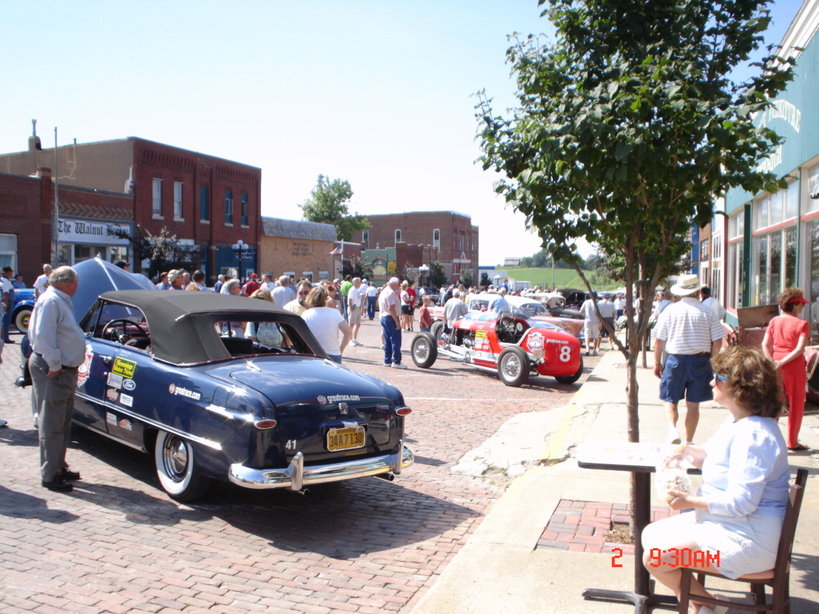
<point>119,544</point>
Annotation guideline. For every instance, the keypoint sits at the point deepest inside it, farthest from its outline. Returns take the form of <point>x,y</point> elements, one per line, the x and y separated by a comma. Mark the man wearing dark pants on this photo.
<point>59,348</point>
<point>389,305</point>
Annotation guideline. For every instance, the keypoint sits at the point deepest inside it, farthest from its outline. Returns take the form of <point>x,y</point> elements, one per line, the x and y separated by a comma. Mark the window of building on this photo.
<point>716,248</point>
<point>156,191</point>
<point>735,259</point>
<point>177,201</point>
<point>8,251</point>
<point>204,203</point>
<point>436,237</point>
<point>774,264</point>
<point>716,282</point>
<point>812,229</point>
<point>763,211</point>
<point>736,225</point>
<point>245,207</point>
<point>365,239</point>
<point>398,235</point>
<point>229,207</point>
<point>705,250</point>
<point>792,200</point>
<point>813,189</point>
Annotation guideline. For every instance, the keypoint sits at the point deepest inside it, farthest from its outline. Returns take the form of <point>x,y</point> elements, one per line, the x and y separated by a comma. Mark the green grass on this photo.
<point>563,278</point>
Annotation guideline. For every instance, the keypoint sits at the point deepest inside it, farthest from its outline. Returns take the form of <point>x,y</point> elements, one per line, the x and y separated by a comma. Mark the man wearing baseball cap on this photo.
<point>691,335</point>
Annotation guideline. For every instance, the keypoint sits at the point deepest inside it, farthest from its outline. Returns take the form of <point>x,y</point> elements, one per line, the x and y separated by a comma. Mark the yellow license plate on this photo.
<point>345,439</point>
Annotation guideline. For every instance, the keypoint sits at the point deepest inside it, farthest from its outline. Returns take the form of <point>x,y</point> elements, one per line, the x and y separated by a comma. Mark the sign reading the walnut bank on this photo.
<point>94,233</point>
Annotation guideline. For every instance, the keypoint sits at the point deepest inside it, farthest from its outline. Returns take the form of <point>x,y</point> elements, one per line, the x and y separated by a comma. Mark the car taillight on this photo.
<point>403,411</point>
<point>265,424</point>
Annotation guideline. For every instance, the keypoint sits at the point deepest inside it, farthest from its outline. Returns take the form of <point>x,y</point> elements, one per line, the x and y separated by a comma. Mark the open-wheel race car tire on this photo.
<point>176,467</point>
<point>21,318</point>
<point>570,379</point>
<point>513,366</point>
<point>437,330</point>
<point>424,350</point>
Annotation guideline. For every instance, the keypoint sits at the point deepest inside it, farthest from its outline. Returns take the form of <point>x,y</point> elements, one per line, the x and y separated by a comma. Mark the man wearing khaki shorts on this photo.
<point>355,300</point>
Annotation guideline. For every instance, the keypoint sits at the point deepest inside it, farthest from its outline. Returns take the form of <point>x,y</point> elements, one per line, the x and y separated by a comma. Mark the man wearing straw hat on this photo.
<point>691,335</point>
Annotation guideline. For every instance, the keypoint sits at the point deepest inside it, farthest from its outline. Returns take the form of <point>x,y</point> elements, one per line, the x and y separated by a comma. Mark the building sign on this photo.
<point>300,248</point>
<point>93,233</point>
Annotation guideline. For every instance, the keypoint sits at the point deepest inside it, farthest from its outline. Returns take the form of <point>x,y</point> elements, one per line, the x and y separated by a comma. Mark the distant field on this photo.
<point>563,278</point>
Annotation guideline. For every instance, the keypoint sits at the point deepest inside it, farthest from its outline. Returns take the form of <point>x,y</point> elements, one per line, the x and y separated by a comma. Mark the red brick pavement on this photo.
<point>119,544</point>
<point>584,526</point>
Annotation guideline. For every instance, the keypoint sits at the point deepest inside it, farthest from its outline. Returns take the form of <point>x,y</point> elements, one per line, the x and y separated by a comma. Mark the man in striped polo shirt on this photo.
<point>690,335</point>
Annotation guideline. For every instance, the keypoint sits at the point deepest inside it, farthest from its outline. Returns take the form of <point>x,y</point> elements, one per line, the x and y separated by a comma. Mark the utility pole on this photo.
<point>55,230</point>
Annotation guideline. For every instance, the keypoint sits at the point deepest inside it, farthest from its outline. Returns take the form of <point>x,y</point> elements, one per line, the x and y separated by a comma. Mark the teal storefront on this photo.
<point>772,240</point>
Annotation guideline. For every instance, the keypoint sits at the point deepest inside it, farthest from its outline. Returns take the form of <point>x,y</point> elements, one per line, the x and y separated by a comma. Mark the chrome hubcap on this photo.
<point>176,457</point>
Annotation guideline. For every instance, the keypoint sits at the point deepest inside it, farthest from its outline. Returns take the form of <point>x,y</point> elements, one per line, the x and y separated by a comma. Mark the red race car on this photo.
<point>512,345</point>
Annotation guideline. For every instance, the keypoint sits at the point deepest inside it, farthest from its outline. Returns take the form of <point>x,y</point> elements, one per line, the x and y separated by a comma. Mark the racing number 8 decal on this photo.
<point>565,354</point>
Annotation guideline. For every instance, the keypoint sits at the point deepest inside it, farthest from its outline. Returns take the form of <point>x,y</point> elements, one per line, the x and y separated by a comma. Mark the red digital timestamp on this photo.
<point>673,557</point>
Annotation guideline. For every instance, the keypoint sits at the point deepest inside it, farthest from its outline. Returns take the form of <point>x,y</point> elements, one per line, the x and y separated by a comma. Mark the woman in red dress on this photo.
<point>784,343</point>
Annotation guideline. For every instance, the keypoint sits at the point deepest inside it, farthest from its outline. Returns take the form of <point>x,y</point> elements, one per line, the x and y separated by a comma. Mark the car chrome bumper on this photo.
<point>296,476</point>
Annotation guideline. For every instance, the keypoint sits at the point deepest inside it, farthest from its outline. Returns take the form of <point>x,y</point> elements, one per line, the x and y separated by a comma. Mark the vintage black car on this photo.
<point>231,388</point>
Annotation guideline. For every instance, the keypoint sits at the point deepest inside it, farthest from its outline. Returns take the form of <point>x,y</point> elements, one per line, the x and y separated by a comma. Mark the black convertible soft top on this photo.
<point>182,323</point>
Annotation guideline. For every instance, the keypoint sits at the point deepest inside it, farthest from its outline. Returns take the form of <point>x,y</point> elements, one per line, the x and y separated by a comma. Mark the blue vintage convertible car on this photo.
<point>176,375</point>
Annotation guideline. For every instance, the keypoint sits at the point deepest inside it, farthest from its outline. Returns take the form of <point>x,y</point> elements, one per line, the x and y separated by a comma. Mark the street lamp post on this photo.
<point>240,248</point>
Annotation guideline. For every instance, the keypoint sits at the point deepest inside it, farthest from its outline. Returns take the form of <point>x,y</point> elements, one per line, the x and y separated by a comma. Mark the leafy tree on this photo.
<point>436,276</point>
<point>355,268</point>
<point>466,278</point>
<point>328,205</point>
<point>163,251</point>
<point>629,126</point>
<point>485,281</point>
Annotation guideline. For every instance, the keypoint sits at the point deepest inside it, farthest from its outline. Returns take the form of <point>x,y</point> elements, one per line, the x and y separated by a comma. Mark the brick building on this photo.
<point>207,202</point>
<point>90,222</point>
<point>442,236</point>
<point>297,249</point>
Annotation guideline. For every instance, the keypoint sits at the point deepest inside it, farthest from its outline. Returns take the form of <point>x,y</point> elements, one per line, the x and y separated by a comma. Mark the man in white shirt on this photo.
<point>454,310</point>
<point>8,300</point>
<point>691,335</point>
<point>606,308</point>
<point>41,283</point>
<point>591,326</point>
<point>58,344</point>
<point>284,292</point>
<point>372,300</point>
<point>499,304</point>
<point>389,304</point>
<point>267,281</point>
<point>356,296</point>
<point>713,304</point>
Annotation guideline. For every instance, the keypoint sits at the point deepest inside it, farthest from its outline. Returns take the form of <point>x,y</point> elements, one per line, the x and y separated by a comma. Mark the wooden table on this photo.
<point>640,459</point>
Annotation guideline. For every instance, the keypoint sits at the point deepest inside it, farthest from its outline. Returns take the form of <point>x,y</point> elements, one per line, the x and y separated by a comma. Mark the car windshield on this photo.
<point>531,309</point>
<point>543,325</point>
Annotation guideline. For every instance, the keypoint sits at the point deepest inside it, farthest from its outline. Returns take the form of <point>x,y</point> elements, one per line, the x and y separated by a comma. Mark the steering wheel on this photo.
<point>109,333</point>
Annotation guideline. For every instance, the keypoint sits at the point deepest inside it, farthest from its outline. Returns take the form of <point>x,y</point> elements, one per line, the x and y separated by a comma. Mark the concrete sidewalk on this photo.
<point>502,569</point>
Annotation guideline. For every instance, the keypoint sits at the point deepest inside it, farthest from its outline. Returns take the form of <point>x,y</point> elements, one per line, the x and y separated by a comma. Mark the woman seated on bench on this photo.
<point>737,514</point>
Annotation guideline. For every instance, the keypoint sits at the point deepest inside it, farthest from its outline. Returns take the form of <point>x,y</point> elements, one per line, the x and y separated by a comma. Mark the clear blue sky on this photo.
<point>378,92</point>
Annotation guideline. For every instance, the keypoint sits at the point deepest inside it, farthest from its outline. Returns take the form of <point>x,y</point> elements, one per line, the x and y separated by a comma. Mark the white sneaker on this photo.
<point>720,609</point>
<point>673,435</point>
<point>398,365</point>
<point>3,423</point>
<point>356,342</point>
